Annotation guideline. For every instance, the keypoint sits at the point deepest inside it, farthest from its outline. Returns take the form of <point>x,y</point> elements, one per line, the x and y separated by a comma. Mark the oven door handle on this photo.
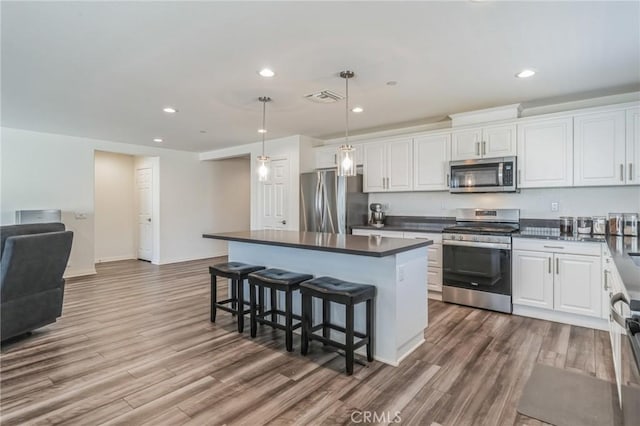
<point>618,297</point>
<point>502,246</point>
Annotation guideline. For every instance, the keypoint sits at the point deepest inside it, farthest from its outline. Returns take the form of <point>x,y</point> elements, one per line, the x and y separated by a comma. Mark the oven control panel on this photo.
<point>503,239</point>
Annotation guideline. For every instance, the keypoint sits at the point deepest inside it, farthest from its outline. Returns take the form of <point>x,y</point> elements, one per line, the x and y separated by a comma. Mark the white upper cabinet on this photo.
<point>499,140</point>
<point>545,153</point>
<point>633,146</point>
<point>400,165</point>
<point>465,144</point>
<point>431,155</point>
<point>388,166</point>
<point>599,149</point>
<point>484,142</point>
<point>375,167</point>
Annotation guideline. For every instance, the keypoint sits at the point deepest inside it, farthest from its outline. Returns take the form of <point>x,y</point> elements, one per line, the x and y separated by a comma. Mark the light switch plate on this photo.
<point>555,206</point>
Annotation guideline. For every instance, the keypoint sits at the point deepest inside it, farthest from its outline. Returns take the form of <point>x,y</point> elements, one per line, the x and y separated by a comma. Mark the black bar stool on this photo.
<point>346,293</point>
<point>237,272</point>
<point>276,280</point>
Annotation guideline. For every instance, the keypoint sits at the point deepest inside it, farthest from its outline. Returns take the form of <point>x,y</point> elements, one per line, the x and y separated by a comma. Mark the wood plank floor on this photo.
<point>135,346</point>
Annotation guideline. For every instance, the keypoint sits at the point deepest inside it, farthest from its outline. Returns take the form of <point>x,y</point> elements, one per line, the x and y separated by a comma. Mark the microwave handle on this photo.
<point>500,177</point>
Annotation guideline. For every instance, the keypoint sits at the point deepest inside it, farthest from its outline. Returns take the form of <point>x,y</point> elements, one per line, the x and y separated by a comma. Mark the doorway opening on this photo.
<point>126,207</point>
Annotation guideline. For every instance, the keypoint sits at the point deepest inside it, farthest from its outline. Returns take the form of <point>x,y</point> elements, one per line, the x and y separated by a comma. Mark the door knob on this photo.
<point>284,222</point>
<point>149,220</point>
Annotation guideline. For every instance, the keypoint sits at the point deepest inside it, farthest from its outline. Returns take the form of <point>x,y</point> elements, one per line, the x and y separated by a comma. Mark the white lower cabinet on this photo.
<point>550,276</point>
<point>533,279</point>
<point>434,259</point>
<point>577,285</point>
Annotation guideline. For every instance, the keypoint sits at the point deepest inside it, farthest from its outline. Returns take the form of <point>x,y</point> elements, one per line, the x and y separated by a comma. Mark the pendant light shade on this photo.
<point>263,160</point>
<point>346,152</point>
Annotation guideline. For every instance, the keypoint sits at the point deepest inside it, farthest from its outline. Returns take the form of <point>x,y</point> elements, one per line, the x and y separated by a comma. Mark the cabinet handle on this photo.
<point>484,148</point>
<point>606,281</point>
<point>447,180</point>
<point>335,158</point>
<point>519,173</point>
<point>555,247</point>
<point>549,265</point>
<point>630,171</point>
<point>621,172</point>
<point>557,266</point>
<point>477,148</point>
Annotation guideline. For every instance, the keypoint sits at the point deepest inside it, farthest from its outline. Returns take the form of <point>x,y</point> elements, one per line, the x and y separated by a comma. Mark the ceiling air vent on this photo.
<point>324,97</point>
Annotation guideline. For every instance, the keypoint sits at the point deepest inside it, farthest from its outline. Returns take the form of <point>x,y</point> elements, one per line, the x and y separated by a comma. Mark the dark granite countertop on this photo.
<point>336,243</point>
<point>434,224</point>
<point>574,238</point>
<point>620,247</point>
<point>434,228</point>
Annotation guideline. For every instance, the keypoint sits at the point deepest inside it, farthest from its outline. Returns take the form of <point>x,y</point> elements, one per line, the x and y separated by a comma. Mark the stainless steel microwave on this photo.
<point>483,175</point>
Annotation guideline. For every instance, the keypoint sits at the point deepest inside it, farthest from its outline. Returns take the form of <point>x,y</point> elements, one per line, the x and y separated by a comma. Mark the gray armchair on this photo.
<point>33,258</point>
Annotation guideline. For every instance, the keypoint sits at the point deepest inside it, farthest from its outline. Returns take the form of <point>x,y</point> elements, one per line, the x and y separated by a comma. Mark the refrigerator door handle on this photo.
<point>318,203</point>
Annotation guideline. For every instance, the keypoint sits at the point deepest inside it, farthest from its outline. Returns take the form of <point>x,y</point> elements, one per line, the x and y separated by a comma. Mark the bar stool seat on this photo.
<point>276,280</point>
<point>237,272</point>
<point>330,289</point>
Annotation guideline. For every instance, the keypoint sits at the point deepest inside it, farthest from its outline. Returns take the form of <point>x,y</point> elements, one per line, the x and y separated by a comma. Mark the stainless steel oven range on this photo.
<point>476,256</point>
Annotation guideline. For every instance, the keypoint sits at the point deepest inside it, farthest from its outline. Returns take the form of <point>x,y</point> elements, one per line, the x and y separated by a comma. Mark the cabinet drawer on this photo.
<point>435,256</point>
<point>551,246</point>
<point>434,279</point>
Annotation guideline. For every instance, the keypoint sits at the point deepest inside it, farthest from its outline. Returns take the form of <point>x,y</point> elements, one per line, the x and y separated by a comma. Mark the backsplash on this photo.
<point>533,203</point>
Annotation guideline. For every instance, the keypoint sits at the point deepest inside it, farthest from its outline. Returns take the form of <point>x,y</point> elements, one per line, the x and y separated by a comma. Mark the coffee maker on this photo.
<point>377,215</point>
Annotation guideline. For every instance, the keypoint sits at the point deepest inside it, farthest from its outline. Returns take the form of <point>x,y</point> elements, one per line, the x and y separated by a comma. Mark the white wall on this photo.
<point>232,194</point>
<point>533,203</point>
<point>44,170</point>
<point>114,207</point>
<point>298,149</point>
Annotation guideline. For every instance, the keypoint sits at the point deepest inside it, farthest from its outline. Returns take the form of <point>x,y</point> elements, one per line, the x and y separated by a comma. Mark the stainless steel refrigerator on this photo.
<point>331,203</point>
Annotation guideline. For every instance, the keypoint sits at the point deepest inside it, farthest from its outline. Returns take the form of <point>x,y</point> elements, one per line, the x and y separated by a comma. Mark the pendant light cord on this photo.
<point>264,130</point>
<point>346,115</point>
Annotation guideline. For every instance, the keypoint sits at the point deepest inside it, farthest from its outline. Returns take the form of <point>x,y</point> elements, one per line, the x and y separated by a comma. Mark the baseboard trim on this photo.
<point>79,273</point>
<point>435,295</point>
<point>115,258</point>
<point>188,259</point>
<point>561,317</point>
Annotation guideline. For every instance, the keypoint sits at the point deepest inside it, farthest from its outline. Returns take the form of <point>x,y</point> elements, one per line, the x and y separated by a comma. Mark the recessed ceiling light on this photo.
<point>266,72</point>
<point>357,109</point>
<point>525,73</point>
<point>170,110</point>
<point>391,83</point>
<point>203,131</point>
<point>262,130</point>
<point>158,140</point>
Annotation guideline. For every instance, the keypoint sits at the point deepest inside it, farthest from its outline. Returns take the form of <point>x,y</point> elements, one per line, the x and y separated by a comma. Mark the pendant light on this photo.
<point>263,160</point>
<point>346,152</point>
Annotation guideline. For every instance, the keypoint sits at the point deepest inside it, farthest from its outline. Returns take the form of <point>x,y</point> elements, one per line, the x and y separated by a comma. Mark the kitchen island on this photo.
<point>396,267</point>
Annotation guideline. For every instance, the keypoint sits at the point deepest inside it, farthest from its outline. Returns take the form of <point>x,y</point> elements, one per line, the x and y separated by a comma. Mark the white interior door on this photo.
<point>275,196</point>
<point>144,179</point>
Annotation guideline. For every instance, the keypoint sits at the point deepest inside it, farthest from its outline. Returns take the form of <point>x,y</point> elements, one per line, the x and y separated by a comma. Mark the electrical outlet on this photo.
<point>385,206</point>
<point>555,206</point>
<point>401,273</point>
<point>80,216</point>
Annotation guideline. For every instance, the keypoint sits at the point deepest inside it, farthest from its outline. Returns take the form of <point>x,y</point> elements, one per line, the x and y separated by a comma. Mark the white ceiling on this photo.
<point>106,69</point>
